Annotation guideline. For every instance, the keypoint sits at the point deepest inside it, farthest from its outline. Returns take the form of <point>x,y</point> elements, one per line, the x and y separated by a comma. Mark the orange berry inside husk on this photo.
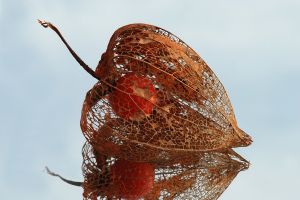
<point>133,97</point>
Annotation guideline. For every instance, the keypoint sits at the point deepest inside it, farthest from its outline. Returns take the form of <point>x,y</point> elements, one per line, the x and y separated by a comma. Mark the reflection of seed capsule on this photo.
<point>206,176</point>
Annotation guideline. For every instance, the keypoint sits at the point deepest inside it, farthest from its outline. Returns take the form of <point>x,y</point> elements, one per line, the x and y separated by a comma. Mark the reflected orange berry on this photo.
<point>132,180</point>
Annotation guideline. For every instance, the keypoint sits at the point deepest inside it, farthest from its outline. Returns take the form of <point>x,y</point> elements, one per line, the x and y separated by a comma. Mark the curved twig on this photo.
<point>77,58</point>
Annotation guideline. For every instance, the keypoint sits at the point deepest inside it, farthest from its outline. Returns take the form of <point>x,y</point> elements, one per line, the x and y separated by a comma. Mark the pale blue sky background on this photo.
<point>252,46</point>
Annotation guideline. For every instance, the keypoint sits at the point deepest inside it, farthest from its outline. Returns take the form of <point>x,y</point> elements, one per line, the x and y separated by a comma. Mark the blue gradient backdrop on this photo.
<point>252,46</point>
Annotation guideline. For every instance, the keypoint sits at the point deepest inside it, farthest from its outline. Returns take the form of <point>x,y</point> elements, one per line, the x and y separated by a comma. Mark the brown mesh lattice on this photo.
<point>191,111</point>
<point>205,176</point>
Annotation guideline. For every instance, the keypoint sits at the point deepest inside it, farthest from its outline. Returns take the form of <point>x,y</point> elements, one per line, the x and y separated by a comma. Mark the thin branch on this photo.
<point>77,58</point>
<point>75,183</point>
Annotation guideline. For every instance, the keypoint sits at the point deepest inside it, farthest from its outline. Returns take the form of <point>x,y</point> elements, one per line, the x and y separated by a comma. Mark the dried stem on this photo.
<point>77,58</point>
